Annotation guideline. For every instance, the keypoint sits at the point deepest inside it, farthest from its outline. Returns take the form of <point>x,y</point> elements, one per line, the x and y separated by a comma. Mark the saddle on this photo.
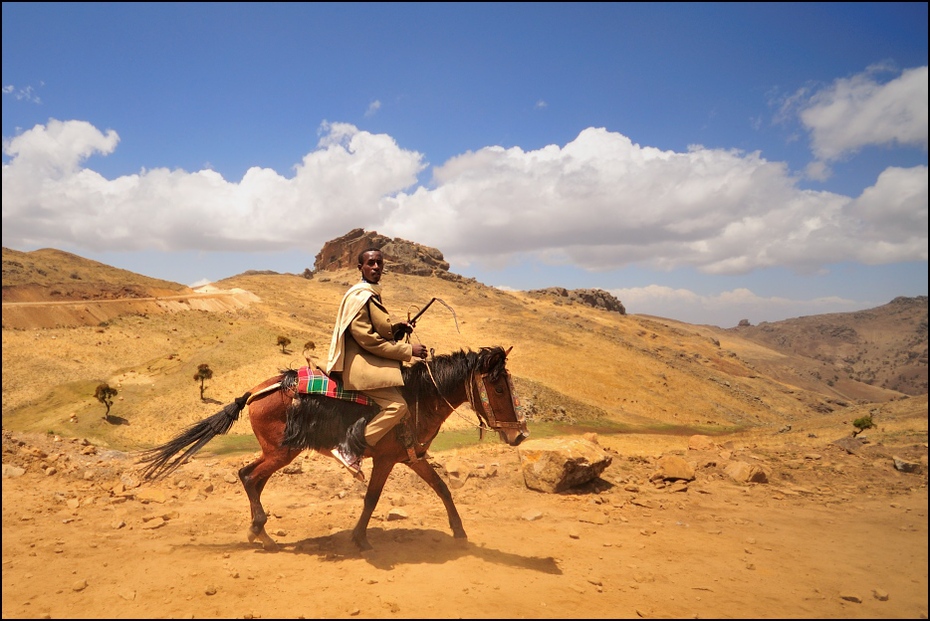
<point>316,382</point>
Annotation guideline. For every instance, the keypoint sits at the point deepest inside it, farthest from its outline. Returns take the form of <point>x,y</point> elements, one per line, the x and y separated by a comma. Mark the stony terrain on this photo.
<point>785,513</point>
<point>831,534</point>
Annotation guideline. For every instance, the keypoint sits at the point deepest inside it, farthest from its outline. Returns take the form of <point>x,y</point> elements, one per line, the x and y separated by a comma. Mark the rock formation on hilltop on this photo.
<point>400,256</point>
<point>598,298</point>
<point>406,257</point>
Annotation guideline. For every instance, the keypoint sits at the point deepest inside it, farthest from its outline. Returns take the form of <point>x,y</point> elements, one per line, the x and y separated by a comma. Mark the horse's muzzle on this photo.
<point>516,440</point>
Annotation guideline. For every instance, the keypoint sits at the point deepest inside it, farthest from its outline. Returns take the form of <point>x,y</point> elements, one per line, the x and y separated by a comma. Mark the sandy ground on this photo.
<point>830,535</point>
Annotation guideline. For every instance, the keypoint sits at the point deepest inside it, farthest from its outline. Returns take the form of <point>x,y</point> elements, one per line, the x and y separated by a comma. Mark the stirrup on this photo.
<point>353,467</point>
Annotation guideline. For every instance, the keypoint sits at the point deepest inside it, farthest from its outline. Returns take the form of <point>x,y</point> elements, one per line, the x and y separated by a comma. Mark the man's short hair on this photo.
<point>361,255</point>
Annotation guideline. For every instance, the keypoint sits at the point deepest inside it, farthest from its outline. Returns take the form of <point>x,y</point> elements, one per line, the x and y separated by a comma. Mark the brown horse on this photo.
<point>286,423</point>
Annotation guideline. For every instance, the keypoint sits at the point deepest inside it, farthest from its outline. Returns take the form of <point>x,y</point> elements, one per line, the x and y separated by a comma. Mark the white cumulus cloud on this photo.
<point>599,202</point>
<point>860,111</point>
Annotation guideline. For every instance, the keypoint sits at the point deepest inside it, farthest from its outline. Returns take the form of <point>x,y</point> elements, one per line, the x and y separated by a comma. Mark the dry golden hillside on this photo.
<point>576,367</point>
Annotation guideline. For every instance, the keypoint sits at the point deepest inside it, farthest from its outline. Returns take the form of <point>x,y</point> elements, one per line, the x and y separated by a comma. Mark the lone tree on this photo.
<point>204,372</point>
<point>104,394</point>
<point>861,424</point>
<point>283,341</point>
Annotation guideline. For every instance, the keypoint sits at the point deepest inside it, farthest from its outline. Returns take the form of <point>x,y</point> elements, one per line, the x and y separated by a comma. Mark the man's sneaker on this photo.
<point>352,462</point>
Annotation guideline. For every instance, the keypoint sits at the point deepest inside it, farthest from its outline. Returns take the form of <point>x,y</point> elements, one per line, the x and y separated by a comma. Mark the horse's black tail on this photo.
<point>194,438</point>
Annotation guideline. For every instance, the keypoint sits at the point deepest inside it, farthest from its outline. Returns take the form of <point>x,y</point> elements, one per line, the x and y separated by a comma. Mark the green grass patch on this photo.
<point>231,445</point>
<point>447,440</point>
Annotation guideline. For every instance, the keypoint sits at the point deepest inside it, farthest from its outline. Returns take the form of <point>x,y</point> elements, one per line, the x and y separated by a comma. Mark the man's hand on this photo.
<point>400,330</point>
<point>419,350</point>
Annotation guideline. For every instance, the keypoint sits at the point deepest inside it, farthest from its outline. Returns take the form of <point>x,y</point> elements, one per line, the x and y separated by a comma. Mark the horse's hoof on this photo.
<point>268,543</point>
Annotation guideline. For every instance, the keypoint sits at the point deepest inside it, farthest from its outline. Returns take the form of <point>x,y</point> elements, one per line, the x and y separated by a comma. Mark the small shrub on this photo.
<point>861,424</point>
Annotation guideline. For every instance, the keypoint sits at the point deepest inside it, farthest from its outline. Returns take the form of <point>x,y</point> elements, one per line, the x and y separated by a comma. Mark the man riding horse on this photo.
<point>366,353</point>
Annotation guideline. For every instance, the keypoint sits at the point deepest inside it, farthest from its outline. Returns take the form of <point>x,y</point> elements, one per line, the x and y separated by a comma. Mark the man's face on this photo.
<point>371,266</point>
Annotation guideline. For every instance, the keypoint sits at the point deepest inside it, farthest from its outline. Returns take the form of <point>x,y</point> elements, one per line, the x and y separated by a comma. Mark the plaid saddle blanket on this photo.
<point>315,382</point>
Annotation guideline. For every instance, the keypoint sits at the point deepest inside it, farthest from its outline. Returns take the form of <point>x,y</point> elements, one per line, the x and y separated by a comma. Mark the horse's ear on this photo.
<point>507,353</point>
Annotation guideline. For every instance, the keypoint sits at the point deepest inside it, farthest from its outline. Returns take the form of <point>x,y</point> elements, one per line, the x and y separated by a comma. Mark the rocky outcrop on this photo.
<point>400,256</point>
<point>598,298</point>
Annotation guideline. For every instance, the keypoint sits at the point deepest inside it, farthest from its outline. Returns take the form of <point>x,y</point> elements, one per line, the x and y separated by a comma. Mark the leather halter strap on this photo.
<point>493,422</point>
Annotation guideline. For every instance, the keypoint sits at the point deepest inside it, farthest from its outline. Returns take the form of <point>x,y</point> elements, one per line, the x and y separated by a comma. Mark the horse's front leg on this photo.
<point>379,474</point>
<point>426,472</point>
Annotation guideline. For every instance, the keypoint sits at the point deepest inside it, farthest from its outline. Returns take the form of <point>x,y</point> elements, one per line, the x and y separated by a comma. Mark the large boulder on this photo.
<point>557,464</point>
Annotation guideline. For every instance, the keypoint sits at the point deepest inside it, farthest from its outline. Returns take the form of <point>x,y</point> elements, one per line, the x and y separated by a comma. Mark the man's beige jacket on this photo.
<point>362,348</point>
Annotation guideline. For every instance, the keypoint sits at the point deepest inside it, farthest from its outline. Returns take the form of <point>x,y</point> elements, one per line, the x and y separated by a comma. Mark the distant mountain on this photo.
<point>884,346</point>
<point>49,274</point>
<point>51,288</point>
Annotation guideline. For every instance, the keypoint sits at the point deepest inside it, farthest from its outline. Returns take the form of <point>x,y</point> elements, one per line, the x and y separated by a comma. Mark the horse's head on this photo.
<point>494,398</point>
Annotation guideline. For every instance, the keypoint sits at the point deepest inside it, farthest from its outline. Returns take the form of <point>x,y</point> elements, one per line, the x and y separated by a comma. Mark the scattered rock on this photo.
<point>151,494</point>
<point>741,472</point>
<point>396,513</point>
<point>10,471</point>
<point>672,468</point>
<point>851,445</point>
<point>701,443</point>
<point>154,523</point>
<point>902,465</point>
<point>458,472</point>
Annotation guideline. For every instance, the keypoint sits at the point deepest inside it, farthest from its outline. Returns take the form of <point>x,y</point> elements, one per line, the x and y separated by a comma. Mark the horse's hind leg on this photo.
<point>426,472</point>
<point>379,474</point>
<point>253,477</point>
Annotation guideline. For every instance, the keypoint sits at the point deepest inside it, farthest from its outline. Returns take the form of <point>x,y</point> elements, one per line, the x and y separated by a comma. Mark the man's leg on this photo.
<point>393,409</point>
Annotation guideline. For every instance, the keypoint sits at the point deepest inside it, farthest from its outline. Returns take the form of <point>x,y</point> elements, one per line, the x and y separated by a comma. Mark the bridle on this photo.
<point>483,382</point>
<point>481,403</point>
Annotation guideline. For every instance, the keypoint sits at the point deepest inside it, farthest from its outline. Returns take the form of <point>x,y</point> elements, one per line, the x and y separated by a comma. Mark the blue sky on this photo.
<point>703,162</point>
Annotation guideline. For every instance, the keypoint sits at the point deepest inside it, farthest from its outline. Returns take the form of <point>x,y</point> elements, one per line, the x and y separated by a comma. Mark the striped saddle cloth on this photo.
<point>315,382</point>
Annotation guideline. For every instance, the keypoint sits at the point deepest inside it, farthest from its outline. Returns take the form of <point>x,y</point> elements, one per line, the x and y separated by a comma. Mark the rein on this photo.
<point>471,399</point>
